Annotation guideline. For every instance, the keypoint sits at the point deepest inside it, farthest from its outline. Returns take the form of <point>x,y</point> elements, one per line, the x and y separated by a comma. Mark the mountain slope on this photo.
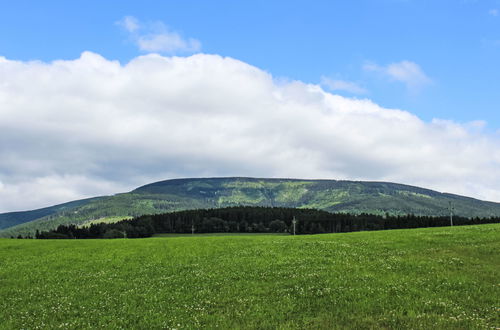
<point>15,218</point>
<point>328,195</point>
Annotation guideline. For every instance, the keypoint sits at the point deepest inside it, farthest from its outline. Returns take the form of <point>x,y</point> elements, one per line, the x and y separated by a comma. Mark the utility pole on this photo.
<point>294,223</point>
<point>451,213</point>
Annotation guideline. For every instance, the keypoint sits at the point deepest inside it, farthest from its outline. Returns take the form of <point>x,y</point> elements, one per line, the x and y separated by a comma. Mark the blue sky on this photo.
<point>455,43</point>
<point>99,97</point>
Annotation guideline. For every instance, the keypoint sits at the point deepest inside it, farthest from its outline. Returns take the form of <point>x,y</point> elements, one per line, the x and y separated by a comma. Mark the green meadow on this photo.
<point>418,278</point>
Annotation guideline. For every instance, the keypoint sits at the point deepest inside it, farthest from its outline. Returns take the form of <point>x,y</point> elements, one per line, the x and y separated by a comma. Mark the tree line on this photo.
<point>247,219</point>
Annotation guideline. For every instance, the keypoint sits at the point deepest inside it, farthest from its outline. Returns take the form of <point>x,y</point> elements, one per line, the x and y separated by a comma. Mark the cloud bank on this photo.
<point>90,126</point>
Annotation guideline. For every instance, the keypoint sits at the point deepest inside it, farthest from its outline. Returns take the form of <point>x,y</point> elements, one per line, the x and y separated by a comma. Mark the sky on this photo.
<point>100,97</point>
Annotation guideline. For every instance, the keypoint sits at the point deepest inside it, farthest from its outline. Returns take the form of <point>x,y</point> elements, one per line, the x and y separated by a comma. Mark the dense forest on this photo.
<point>252,220</point>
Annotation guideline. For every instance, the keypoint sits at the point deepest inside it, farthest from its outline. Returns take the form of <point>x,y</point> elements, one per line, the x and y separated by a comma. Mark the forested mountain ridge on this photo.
<point>200,193</point>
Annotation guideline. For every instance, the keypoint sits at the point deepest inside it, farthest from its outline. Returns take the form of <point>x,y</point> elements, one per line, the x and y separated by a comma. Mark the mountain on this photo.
<point>14,218</point>
<point>181,194</point>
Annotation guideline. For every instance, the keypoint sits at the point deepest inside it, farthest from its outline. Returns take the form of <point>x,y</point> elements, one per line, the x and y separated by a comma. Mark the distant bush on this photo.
<point>53,235</point>
<point>277,226</point>
<point>113,233</point>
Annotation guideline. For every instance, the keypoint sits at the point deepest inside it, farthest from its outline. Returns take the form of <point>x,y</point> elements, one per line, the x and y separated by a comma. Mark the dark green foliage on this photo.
<point>252,220</point>
<point>114,233</point>
<point>277,226</point>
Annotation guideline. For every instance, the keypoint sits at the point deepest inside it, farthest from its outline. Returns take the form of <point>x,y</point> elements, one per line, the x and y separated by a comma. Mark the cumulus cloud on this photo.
<point>91,126</point>
<point>342,85</point>
<point>129,23</point>
<point>157,37</point>
<point>406,72</point>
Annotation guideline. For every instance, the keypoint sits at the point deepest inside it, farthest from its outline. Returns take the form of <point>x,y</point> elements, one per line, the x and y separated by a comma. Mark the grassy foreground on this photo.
<point>419,278</point>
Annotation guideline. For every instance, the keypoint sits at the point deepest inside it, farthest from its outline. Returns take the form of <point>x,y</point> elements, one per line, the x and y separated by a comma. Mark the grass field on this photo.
<point>221,234</point>
<point>419,278</point>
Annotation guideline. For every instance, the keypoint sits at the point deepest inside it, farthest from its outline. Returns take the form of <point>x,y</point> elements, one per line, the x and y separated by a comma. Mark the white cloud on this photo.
<point>406,72</point>
<point>129,23</point>
<point>157,37</point>
<point>90,126</point>
<point>493,12</point>
<point>342,85</point>
<point>167,42</point>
